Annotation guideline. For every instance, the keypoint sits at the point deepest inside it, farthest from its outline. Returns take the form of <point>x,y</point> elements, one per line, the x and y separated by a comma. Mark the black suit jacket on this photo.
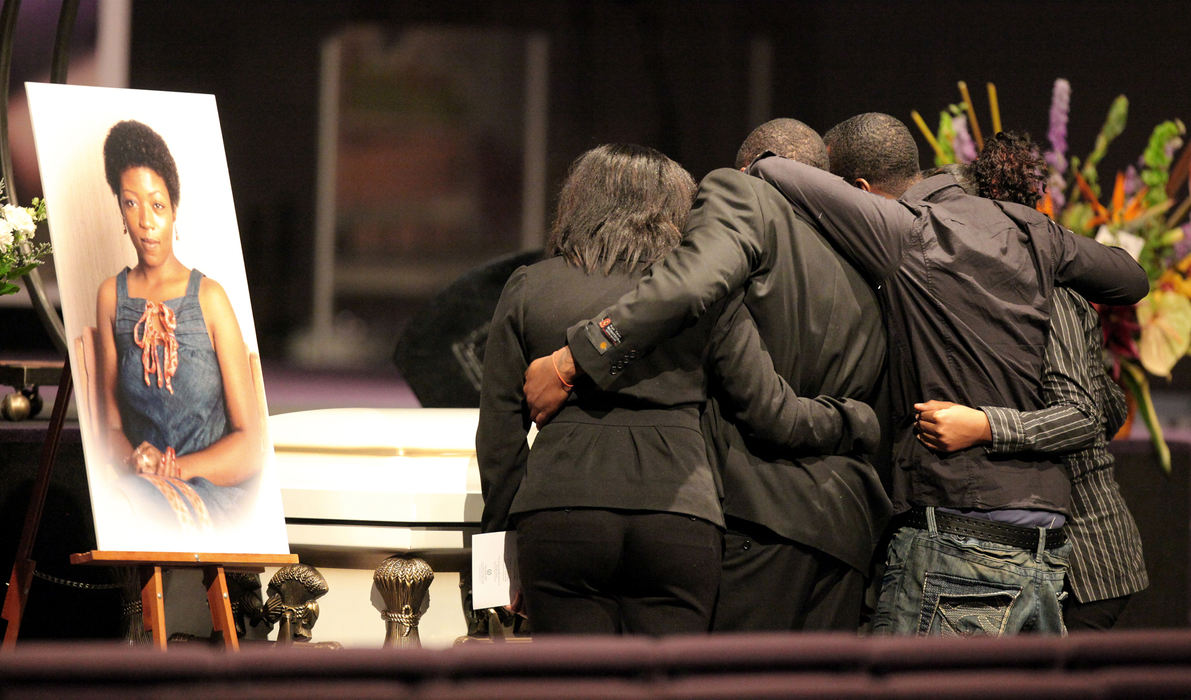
<point>636,444</point>
<point>822,326</point>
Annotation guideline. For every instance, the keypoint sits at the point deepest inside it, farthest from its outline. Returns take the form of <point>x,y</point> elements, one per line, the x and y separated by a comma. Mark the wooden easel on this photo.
<point>150,564</point>
<point>23,564</point>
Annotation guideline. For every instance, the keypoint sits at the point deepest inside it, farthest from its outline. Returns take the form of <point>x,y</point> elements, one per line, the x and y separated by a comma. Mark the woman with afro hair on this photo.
<point>177,408</point>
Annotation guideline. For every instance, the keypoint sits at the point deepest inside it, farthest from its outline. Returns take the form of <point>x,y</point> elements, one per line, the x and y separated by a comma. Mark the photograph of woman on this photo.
<point>177,402</point>
<point>158,321</point>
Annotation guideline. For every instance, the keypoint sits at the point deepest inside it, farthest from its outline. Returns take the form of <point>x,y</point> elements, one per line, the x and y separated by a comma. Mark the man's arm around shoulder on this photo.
<point>722,247</point>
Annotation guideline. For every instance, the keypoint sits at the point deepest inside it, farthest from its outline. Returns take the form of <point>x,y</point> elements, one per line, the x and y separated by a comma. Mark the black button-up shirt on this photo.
<point>965,283</point>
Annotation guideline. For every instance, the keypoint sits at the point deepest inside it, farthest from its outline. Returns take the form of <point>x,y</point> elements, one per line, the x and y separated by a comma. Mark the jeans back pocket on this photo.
<point>957,606</point>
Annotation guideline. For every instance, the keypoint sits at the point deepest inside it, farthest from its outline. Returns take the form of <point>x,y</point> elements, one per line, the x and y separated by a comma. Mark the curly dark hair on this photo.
<point>621,204</point>
<point>1011,168</point>
<point>131,144</point>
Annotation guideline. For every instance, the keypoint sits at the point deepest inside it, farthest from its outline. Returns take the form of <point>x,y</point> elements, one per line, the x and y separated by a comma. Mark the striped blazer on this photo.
<point>1084,409</point>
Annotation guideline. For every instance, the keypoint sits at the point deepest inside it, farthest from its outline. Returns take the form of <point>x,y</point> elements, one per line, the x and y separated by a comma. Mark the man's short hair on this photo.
<point>788,138</point>
<point>876,147</point>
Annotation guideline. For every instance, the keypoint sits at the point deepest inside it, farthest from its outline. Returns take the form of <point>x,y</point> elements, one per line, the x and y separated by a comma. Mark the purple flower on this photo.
<point>1182,248</point>
<point>965,148</point>
<point>1132,181</point>
<point>1055,185</point>
<point>1060,108</point>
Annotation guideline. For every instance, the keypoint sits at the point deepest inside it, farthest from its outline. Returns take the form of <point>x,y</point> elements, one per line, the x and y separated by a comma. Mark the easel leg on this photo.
<point>153,604</point>
<point>23,565</point>
<point>219,600</point>
<point>14,600</point>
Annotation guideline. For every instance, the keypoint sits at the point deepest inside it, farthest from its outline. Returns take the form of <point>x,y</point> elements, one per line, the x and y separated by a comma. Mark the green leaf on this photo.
<point>1135,381</point>
<point>946,138</point>
<point>1075,217</point>
<point>1114,124</point>
<point>1171,237</point>
<point>24,269</point>
<point>1158,155</point>
<point>1165,319</point>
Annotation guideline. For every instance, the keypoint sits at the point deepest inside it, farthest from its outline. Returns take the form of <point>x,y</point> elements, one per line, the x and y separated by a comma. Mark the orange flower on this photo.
<point>1046,205</point>
<point>1121,212</point>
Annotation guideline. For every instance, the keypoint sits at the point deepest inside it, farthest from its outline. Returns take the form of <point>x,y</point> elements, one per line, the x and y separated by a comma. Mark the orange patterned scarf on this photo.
<point>157,326</point>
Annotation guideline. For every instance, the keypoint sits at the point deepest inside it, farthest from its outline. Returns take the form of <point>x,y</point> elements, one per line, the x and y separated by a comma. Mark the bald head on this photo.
<point>788,138</point>
<point>876,148</point>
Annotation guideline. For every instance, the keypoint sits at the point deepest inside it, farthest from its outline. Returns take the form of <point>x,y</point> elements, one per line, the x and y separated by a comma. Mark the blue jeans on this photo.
<point>948,585</point>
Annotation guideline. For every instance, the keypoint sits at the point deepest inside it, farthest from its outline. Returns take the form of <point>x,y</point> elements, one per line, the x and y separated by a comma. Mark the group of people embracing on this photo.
<point>821,390</point>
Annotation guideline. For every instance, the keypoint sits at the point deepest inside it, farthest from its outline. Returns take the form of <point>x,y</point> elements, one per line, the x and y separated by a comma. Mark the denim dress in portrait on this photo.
<point>194,415</point>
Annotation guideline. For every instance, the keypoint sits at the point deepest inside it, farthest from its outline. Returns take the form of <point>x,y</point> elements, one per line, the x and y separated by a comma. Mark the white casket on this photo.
<point>360,485</point>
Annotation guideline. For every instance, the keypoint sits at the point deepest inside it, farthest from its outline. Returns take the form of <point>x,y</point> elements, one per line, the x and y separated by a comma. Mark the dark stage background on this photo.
<point>673,75</point>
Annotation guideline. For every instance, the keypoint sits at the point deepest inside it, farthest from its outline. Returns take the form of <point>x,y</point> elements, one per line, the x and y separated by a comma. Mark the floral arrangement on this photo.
<point>18,253</point>
<point>1141,213</point>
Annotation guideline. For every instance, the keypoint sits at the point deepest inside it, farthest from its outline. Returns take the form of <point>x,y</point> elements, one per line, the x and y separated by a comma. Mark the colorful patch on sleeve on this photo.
<point>596,339</point>
<point>609,331</point>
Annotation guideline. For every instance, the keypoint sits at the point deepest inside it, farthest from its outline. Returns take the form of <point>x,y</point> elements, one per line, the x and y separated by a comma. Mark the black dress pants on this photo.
<point>594,571</point>
<point>770,583</point>
<point>1098,615</point>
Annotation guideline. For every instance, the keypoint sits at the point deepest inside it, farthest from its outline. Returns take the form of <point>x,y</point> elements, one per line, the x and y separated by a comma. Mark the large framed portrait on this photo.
<point>155,303</point>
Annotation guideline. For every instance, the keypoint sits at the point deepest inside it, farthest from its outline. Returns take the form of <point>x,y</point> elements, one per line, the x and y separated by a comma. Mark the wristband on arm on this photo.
<point>557,373</point>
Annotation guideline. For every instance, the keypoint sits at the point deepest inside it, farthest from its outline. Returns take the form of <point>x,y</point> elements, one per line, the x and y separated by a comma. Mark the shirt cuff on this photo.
<point>1006,428</point>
